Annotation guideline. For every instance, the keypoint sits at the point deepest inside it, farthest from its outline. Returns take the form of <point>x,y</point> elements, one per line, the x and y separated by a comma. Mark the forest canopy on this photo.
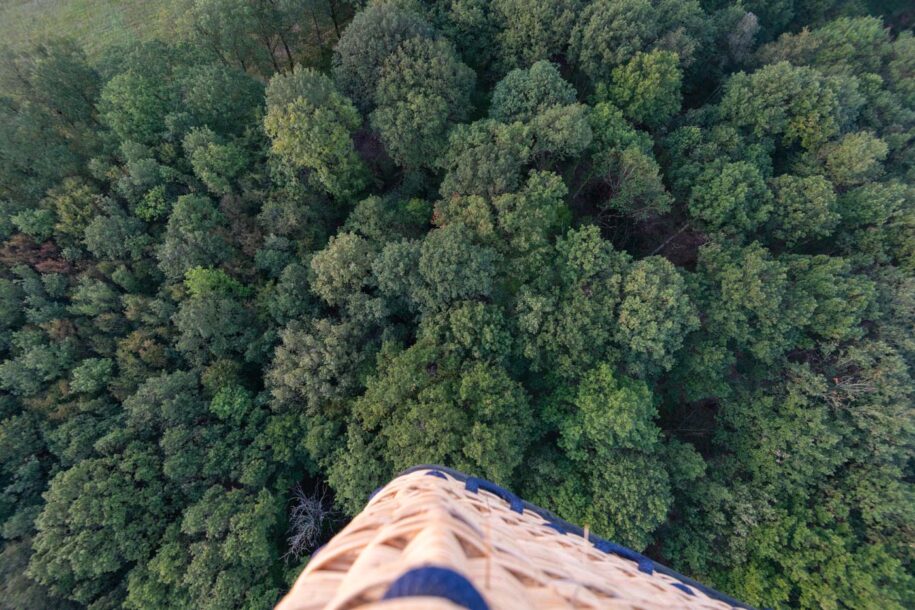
<point>648,263</point>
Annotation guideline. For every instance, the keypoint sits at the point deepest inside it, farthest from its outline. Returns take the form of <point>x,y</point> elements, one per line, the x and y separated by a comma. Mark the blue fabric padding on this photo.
<point>375,493</point>
<point>474,484</point>
<point>435,581</point>
<point>683,588</point>
<point>556,526</point>
<point>645,565</point>
<point>436,473</point>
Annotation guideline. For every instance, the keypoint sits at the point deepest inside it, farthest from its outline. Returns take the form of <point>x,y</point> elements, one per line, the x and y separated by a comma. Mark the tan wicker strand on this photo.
<point>514,560</point>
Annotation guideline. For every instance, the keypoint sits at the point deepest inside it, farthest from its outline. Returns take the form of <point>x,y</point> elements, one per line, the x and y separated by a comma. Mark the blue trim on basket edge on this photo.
<point>645,564</point>
<point>473,485</point>
<point>437,581</point>
<point>684,588</point>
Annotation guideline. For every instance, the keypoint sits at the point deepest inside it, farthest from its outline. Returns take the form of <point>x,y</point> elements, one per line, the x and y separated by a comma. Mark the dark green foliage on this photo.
<point>213,325</point>
<point>422,91</point>
<point>223,99</point>
<point>622,159</point>
<point>454,268</point>
<point>367,43</point>
<point>136,102</point>
<point>539,97</point>
<point>101,517</point>
<point>532,30</point>
<point>217,165</point>
<point>615,479</point>
<point>47,117</point>
<point>484,158</point>
<point>566,319</point>
<point>648,263</point>
<point>523,94</point>
<point>655,315</point>
<point>730,197</point>
<point>607,34</point>
<point>193,237</point>
<point>427,405</point>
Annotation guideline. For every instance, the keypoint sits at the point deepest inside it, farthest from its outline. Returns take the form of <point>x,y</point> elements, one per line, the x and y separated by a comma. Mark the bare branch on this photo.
<point>307,519</point>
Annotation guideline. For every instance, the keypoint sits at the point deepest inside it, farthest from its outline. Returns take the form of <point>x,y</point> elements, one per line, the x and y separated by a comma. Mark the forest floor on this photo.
<point>96,24</point>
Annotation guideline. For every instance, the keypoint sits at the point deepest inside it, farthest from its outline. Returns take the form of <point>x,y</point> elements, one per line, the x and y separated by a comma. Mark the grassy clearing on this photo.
<point>96,24</point>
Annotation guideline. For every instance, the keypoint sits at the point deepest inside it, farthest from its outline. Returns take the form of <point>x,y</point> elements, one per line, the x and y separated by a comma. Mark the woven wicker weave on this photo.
<point>515,560</point>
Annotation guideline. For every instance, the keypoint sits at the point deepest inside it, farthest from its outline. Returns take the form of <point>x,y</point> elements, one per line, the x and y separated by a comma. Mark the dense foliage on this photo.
<point>649,263</point>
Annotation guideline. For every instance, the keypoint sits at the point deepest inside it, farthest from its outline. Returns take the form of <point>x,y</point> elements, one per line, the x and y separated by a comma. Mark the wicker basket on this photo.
<point>510,553</point>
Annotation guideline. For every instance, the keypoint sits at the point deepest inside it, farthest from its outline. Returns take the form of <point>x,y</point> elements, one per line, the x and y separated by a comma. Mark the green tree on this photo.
<point>608,421</point>
<point>647,88</point>
<point>622,159</point>
<point>843,46</point>
<point>36,223</point>
<point>317,368</point>
<point>201,282</point>
<point>48,118</point>
<point>342,269</point>
<point>194,237</point>
<point>566,322</point>
<point>831,300</point>
<point>136,101</point>
<point>56,78</point>
<point>804,208</point>
<point>217,164</point>
<point>101,518</point>
<point>115,235</point>
<point>220,98</point>
<point>854,159</point>
<point>525,93</point>
<point>744,294</point>
<point>791,103</point>
<point>370,39</point>
<point>311,124</point>
<point>541,99</point>
<point>228,28</point>
<point>654,317</point>
<point>607,33</point>
<point>484,158</point>
<point>92,374</point>
<point>426,405</point>
<point>560,132</point>
<point>422,91</point>
<point>212,325</point>
<point>454,268</point>
<point>217,557</point>
<point>730,197</point>
<point>532,31</point>
<point>530,219</point>
<point>35,362</point>
<point>75,204</point>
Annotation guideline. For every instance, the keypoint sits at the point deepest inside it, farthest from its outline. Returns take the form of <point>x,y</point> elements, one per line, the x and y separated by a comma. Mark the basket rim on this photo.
<point>570,528</point>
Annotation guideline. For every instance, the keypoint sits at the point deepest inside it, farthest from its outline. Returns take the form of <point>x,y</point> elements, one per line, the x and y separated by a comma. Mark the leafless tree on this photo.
<point>309,514</point>
<point>742,37</point>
